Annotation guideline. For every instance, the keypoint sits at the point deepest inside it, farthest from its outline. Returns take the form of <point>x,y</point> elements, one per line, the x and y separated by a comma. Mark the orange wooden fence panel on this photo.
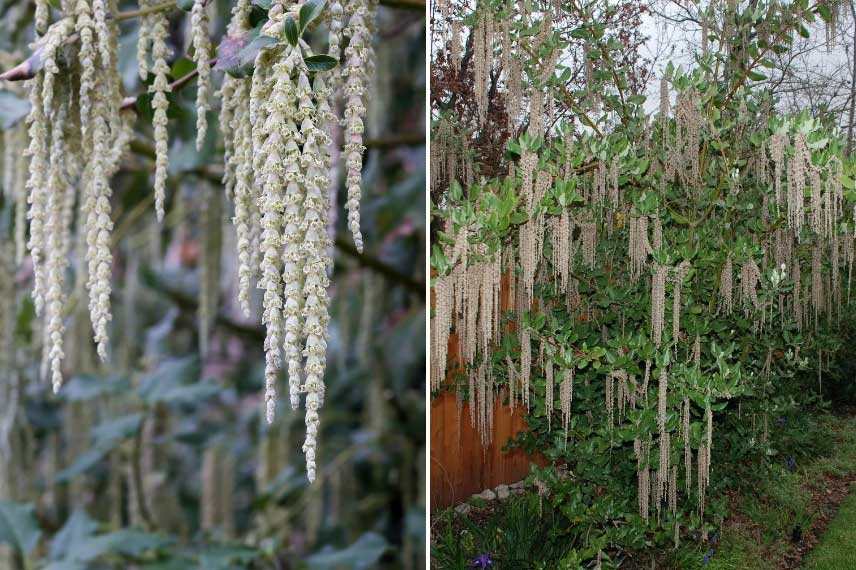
<point>460,466</point>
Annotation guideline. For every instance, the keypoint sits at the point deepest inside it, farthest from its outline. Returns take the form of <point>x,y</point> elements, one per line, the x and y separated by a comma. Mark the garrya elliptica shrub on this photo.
<point>279,100</point>
<point>657,262</point>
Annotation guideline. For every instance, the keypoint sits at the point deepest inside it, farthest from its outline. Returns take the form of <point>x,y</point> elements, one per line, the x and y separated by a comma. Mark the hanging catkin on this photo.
<point>481,64</point>
<point>798,169</point>
<point>548,392</point>
<point>680,272</point>
<point>77,138</point>
<point>525,365</point>
<point>662,400</point>
<point>359,62</point>
<point>638,245</point>
<point>588,239</point>
<point>750,274</point>
<point>566,397</point>
<point>160,87</point>
<point>817,293</point>
<point>658,303</point>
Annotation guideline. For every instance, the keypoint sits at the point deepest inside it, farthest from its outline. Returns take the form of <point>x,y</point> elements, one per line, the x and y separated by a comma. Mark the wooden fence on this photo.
<point>460,465</point>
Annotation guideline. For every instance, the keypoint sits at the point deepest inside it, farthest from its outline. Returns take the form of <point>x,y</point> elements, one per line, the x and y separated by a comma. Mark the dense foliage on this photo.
<point>154,452</point>
<point>671,274</point>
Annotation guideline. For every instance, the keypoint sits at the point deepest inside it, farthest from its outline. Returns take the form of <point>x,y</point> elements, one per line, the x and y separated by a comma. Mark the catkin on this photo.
<point>159,88</point>
<point>359,57</point>
<point>658,296</point>
<point>54,297</point>
<point>678,275</point>
<point>202,57</point>
<point>566,397</point>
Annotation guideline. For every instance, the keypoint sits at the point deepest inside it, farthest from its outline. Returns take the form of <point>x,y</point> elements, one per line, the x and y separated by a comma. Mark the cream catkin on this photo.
<point>77,138</point>
<point>54,297</point>
<point>144,41</point>
<point>658,296</point>
<point>202,57</point>
<point>160,88</point>
<point>359,60</point>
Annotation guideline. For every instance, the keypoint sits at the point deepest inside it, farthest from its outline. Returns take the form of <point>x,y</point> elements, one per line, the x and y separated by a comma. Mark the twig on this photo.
<point>190,304</point>
<point>144,11</point>
<point>392,141</point>
<point>137,471</point>
<point>373,263</point>
<point>131,101</point>
<point>418,5</point>
<point>22,71</point>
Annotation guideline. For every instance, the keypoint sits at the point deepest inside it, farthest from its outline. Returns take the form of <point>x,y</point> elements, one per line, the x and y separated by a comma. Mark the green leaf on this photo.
<point>106,437</point>
<point>756,76</point>
<point>182,67</point>
<point>175,381</point>
<point>130,542</point>
<point>186,5</point>
<point>225,556</point>
<point>77,529</point>
<point>364,553</point>
<point>65,565</point>
<point>88,387</point>
<point>18,527</point>
<point>290,30</point>
<point>309,12</point>
<point>317,63</point>
<point>582,33</point>
<point>12,109</point>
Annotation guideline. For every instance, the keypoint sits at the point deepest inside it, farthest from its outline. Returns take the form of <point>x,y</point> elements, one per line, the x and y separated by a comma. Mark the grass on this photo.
<point>837,548</point>
<point>765,513</point>
<point>516,534</point>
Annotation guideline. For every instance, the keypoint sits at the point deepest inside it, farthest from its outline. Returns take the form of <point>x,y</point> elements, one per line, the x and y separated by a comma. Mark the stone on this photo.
<point>502,492</point>
<point>486,495</point>
<point>463,509</point>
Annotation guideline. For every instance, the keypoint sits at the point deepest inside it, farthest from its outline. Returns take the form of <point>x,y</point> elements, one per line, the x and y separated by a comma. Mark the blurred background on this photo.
<point>160,457</point>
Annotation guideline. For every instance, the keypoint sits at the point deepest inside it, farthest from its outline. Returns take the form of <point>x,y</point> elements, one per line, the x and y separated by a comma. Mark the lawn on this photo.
<point>837,547</point>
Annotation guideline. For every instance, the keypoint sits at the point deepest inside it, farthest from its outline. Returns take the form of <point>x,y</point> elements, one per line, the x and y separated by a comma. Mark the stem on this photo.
<point>131,101</point>
<point>137,467</point>
<point>373,263</point>
<point>416,5</point>
<point>121,16</point>
<point>392,141</point>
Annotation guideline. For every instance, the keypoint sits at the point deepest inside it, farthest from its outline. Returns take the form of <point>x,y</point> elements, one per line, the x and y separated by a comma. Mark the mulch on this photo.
<point>827,498</point>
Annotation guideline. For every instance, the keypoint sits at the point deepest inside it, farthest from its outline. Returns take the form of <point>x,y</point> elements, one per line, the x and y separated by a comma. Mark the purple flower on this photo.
<point>707,557</point>
<point>790,463</point>
<point>483,561</point>
<point>781,421</point>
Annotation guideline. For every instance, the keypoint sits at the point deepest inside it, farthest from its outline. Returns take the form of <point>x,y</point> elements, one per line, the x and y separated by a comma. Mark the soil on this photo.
<point>828,498</point>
